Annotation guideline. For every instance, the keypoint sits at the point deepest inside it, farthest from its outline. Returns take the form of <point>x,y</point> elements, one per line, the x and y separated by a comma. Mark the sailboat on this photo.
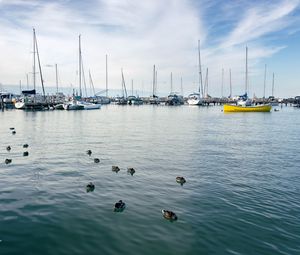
<point>123,99</point>
<point>76,102</point>
<point>154,99</point>
<point>31,100</point>
<point>244,104</point>
<point>197,98</point>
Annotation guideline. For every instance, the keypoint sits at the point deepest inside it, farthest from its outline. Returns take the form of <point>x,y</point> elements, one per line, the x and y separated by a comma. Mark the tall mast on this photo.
<point>91,84</point>
<point>246,80</point>
<point>273,85</point>
<point>206,83</point>
<point>106,76</point>
<point>40,68</point>
<point>155,81</point>
<point>265,78</point>
<point>230,84</point>
<point>153,85</point>
<point>80,66</point>
<point>222,94</point>
<point>171,83</point>
<point>27,81</point>
<point>200,72</point>
<point>33,71</point>
<point>56,77</point>
<point>181,86</point>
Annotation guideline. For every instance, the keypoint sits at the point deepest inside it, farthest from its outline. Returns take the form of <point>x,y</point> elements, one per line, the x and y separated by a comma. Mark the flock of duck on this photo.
<point>120,205</point>
<point>8,148</point>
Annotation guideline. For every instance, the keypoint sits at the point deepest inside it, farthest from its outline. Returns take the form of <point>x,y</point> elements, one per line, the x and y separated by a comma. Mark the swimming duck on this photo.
<point>115,169</point>
<point>119,206</point>
<point>8,161</point>
<point>90,187</point>
<point>96,160</point>
<point>25,153</point>
<point>25,145</point>
<point>180,180</point>
<point>169,215</point>
<point>14,132</point>
<point>89,152</point>
<point>130,170</point>
<point>8,148</point>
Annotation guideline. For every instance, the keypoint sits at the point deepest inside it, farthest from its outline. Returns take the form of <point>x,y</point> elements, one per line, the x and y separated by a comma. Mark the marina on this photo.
<point>148,127</point>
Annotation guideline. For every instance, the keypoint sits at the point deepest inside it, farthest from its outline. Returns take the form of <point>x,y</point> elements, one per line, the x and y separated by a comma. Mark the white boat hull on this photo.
<point>195,101</point>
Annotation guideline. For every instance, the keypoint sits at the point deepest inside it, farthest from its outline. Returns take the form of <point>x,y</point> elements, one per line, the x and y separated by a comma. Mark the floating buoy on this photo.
<point>8,148</point>
<point>119,206</point>
<point>89,152</point>
<point>25,145</point>
<point>8,161</point>
<point>14,132</point>
<point>115,169</point>
<point>180,180</point>
<point>169,215</point>
<point>25,153</point>
<point>96,160</point>
<point>90,187</point>
<point>130,170</point>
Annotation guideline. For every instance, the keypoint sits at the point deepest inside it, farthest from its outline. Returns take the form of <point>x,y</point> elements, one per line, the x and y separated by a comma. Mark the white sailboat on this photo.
<point>76,103</point>
<point>30,100</point>
<point>197,98</point>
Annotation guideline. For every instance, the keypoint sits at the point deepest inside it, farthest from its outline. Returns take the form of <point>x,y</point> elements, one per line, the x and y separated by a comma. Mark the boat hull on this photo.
<point>238,108</point>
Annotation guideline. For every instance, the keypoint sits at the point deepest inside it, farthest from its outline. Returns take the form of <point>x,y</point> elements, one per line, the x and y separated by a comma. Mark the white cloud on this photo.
<point>135,35</point>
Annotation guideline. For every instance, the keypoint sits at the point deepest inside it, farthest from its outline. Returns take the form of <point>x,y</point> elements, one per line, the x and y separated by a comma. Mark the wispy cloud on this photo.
<point>137,34</point>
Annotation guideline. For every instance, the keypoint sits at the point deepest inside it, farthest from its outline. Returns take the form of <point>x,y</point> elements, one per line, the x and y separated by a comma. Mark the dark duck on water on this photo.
<point>119,206</point>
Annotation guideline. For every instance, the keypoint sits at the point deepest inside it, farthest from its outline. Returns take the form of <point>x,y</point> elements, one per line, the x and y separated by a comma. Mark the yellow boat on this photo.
<point>239,108</point>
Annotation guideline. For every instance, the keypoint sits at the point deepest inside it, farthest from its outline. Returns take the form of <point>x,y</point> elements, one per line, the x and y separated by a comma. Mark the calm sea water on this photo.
<point>242,194</point>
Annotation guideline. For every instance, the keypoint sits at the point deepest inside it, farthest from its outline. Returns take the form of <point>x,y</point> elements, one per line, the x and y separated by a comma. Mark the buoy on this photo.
<point>90,187</point>
<point>14,132</point>
<point>96,160</point>
<point>115,169</point>
<point>25,153</point>
<point>89,152</point>
<point>119,206</point>
<point>25,145</point>
<point>8,148</point>
<point>169,215</point>
<point>130,170</point>
<point>8,161</point>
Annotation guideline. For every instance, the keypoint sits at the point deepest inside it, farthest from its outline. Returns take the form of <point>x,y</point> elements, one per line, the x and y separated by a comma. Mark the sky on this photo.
<point>136,34</point>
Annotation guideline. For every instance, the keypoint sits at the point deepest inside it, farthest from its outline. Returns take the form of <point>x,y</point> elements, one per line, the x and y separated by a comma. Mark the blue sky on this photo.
<point>138,34</point>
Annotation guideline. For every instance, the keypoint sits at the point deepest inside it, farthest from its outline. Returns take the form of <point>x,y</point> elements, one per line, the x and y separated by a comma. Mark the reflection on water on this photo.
<point>241,194</point>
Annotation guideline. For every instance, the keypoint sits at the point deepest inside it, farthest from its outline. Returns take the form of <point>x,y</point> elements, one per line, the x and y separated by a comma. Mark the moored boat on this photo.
<point>255,108</point>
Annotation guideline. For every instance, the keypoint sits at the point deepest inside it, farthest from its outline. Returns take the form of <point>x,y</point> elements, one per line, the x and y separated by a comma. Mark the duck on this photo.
<point>89,152</point>
<point>119,206</point>
<point>96,160</point>
<point>8,148</point>
<point>90,187</point>
<point>8,161</point>
<point>25,145</point>
<point>180,180</point>
<point>130,170</point>
<point>25,153</point>
<point>169,215</point>
<point>115,169</point>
